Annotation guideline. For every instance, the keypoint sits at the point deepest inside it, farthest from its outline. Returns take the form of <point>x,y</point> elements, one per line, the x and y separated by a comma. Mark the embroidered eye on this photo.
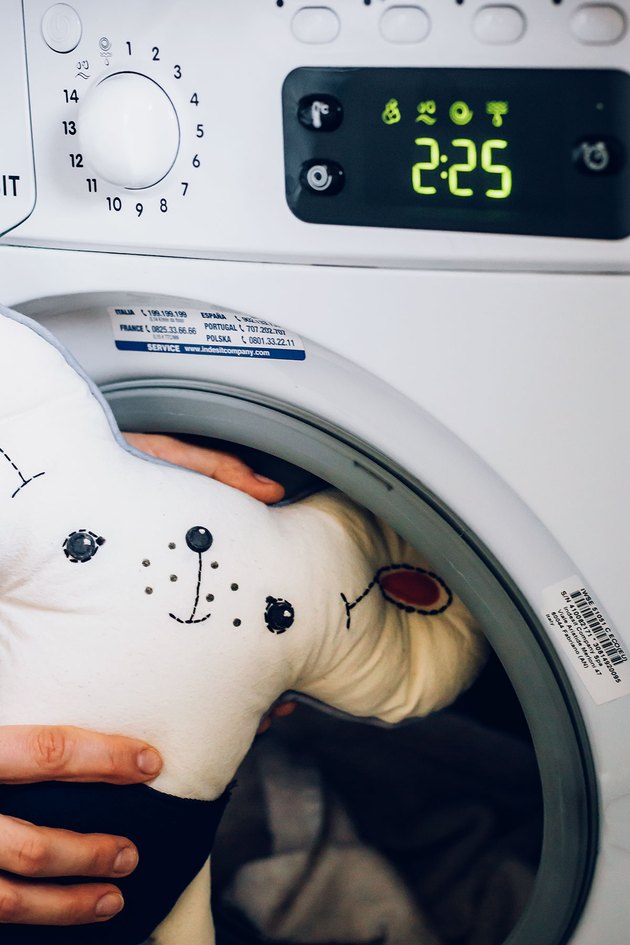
<point>82,545</point>
<point>279,614</point>
<point>198,538</point>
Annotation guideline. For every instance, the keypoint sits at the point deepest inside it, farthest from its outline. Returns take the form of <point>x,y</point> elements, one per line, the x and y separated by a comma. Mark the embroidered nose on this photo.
<point>198,538</point>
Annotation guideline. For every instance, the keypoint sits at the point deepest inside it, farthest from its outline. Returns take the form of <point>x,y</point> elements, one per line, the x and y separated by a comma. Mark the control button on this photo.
<point>315,25</point>
<point>499,25</point>
<point>61,27</point>
<point>405,25</point>
<point>598,24</point>
<point>129,130</point>
<point>322,177</point>
<point>320,112</point>
<point>598,155</point>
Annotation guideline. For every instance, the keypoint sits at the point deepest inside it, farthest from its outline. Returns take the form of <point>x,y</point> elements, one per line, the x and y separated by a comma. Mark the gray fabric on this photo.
<point>319,883</point>
<point>340,833</point>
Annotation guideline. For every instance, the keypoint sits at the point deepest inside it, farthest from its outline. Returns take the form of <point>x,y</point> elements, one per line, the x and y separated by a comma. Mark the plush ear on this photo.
<point>44,401</point>
<point>55,430</point>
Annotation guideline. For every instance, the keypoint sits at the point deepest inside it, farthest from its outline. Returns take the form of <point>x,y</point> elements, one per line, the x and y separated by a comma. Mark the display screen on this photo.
<point>493,150</point>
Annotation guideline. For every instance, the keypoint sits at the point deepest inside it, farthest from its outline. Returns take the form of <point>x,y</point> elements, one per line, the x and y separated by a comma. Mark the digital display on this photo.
<point>527,151</point>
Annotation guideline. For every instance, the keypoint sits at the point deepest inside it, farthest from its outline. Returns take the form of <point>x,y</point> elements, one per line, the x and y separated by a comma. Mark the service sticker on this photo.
<point>193,331</point>
<point>585,634</point>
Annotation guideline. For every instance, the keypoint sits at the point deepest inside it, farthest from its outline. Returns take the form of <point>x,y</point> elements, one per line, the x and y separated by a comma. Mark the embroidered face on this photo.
<point>82,545</point>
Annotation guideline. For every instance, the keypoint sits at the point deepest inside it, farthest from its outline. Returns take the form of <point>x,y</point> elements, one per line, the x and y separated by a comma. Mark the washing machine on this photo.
<point>385,242</point>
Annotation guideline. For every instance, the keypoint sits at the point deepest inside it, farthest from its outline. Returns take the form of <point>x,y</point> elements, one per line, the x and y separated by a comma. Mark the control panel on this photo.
<point>533,151</point>
<point>281,130</point>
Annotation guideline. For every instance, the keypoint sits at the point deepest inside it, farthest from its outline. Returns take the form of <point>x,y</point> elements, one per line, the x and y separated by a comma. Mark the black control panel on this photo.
<point>526,151</point>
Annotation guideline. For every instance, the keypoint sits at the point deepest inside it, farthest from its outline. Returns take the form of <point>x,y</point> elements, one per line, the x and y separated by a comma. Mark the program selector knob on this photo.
<point>129,130</point>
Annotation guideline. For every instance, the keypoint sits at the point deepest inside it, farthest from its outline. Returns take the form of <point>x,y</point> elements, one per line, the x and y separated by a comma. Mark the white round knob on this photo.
<point>129,130</point>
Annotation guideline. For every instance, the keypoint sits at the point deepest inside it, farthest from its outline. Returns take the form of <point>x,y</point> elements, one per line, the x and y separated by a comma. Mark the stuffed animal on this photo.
<point>140,598</point>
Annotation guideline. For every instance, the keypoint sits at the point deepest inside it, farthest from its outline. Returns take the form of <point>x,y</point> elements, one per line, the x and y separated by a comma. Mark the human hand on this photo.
<point>30,753</point>
<point>216,464</point>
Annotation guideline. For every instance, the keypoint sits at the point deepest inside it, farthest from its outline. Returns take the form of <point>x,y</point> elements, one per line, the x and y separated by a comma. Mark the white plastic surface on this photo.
<point>405,24</point>
<point>598,23</point>
<point>499,25</point>
<point>315,25</point>
<point>227,185</point>
<point>61,27</point>
<point>17,175</point>
<point>128,130</point>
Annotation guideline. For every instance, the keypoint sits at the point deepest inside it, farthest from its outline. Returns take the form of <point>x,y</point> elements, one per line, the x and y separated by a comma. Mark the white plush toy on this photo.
<point>143,599</point>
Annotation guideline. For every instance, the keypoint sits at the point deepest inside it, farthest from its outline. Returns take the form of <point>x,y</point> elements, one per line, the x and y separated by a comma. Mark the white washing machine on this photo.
<point>386,241</point>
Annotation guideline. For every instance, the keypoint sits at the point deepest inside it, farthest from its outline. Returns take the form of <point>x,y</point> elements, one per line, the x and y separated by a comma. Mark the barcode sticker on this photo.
<point>585,634</point>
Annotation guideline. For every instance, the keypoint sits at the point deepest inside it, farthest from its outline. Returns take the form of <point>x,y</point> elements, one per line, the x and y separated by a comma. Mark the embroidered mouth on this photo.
<point>198,539</point>
<point>190,619</point>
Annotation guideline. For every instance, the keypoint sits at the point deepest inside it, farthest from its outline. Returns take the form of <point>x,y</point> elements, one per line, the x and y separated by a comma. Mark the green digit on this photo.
<point>455,169</point>
<point>488,165</point>
<point>431,165</point>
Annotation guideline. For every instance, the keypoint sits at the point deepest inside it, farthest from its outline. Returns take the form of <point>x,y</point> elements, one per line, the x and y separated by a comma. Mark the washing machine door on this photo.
<point>329,417</point>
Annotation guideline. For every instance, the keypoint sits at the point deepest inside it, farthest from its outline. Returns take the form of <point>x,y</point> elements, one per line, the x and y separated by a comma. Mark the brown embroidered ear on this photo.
<point>412,589</point>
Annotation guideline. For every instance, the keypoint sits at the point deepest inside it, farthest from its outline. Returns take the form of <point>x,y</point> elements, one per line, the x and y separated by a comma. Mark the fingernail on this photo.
<point>149,762</point>
<point>126,861</point>
<point>109,905</point>
<point>268,482</point>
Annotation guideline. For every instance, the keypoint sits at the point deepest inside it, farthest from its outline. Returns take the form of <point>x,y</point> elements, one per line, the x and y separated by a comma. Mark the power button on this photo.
<point>61,27</point>
<point>598,155</point>
<point>322,177</point>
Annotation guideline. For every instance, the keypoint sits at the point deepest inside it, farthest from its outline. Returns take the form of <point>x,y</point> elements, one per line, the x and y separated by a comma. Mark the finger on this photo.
<point>31,753</point>
<point>36,852</point>
<point>34,904</point>
<point>216,464</point>
<point>232,471</point>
